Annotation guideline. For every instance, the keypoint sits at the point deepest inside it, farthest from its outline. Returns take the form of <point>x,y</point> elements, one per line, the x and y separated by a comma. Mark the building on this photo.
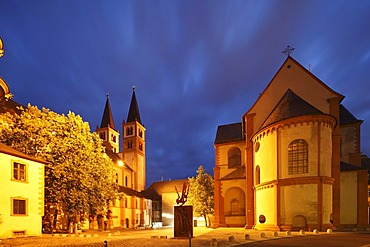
<point>163,195</point>
<point>22,202</point>
<point>132,209</point>
<point>293,162</point>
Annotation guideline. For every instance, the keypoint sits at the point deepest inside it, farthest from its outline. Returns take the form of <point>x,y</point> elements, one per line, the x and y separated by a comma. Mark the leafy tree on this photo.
<point>79,176</point>
<point>201,194</point>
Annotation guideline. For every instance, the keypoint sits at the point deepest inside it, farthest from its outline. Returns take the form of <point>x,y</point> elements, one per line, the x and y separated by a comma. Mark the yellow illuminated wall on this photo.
<point>31,190</point>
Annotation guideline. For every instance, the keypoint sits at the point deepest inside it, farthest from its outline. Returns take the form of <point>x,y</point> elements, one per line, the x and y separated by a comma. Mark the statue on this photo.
<point>183,221</point>
<point>184,195</point>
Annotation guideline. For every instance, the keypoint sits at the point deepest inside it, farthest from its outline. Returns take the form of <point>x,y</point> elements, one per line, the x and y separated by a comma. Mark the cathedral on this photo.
<point>294,160</point>
<point>132,209</point>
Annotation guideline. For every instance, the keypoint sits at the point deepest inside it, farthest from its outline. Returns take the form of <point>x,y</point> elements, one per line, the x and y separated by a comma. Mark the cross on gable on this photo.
<point>288,50</point>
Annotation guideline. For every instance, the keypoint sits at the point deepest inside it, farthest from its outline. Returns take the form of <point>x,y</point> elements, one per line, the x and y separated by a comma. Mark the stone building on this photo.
<point>294,160</point>
<point>132,209</point>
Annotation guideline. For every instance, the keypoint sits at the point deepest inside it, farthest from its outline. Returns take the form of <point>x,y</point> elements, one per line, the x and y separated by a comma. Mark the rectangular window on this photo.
<point>19,171</point>
<point>19,207</point>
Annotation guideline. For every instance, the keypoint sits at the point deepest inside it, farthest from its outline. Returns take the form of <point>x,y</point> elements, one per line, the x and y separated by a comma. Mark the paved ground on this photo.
<point>202,237</point>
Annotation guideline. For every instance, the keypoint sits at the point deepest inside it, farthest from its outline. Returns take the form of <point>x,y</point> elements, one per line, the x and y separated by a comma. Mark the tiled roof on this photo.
<point>237,174</point>
<point>346,116</point>
<point>290,105</point>
<point>229,133</point>
<point>11,151</point>
<point>156,189</point>
<point>107,119</point>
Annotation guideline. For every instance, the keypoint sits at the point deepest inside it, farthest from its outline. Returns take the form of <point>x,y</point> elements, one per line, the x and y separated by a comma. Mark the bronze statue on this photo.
<point>184,195</point>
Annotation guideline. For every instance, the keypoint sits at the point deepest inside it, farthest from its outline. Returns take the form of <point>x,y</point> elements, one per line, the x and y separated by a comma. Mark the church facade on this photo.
<point>293,162</point>
<point>131,209</point>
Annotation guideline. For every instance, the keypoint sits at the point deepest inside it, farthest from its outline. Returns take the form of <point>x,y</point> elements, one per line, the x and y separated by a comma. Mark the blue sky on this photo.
<point>195,64</point>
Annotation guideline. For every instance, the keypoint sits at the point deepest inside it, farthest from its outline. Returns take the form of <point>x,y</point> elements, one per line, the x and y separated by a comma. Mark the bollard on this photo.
<point>213,242</point>
<point>316,231</point>
<point>247,236</point>
<point>288,233</point>
<point>329,231</point>
<point>301,232</point>
<point>105,243</point>
<point>263,235</point>
<point>276,234</point>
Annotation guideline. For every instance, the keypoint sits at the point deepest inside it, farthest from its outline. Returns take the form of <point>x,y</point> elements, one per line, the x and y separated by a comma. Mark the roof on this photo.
<point>348,167</point>
<point>156,189</point>
<point>116,158</point>
<point>107,120</point>
<point>133,113</point>
<point>229,133</point>
<point>290,105</point>
<point>237,174</point>
<point>10,106</point>
<point>11,151</point>
<point>346,117</point>
<point>130,192</point>
<point>291,59</point>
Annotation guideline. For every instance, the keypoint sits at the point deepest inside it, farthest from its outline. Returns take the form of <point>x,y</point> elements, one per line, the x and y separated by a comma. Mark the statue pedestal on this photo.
<point>183,224</point>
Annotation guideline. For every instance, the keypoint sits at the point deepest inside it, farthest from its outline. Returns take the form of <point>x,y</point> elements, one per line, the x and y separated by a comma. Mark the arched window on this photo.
<point>298,157</point>
<point>258,175</point>
<point>234,157</point>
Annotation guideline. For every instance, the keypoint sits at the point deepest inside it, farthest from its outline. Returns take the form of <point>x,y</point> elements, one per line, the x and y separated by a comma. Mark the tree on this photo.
<point>79,176</point>
<point>201,194</point>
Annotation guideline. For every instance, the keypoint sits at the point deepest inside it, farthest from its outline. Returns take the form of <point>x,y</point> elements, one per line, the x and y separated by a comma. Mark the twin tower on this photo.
<point>132,157</point>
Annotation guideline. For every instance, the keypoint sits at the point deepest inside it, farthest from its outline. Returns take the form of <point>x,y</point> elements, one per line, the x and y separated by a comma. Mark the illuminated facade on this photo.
<point>294,162</point>
<point>22,202</point>
<point>133,209</point>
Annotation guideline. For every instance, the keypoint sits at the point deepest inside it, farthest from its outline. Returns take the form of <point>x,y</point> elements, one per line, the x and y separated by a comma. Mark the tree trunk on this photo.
<point>205,219</point>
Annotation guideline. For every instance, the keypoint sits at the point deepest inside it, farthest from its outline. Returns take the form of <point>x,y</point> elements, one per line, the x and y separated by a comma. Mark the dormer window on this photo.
<point>140,133</point>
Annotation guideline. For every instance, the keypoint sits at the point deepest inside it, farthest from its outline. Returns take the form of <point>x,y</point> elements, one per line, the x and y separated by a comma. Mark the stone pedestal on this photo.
<point>183,224</point>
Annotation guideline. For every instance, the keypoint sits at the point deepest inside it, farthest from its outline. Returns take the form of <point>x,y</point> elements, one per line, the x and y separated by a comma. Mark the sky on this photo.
<point>195,64</point>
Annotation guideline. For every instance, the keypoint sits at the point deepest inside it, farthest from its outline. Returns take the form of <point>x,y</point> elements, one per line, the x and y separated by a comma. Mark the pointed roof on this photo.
<point>133,114</point>
<point>290,105</point>
<point>107,119</point>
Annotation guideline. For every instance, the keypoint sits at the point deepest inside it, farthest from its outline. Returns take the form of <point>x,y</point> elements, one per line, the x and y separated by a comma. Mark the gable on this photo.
<point>294,76</point>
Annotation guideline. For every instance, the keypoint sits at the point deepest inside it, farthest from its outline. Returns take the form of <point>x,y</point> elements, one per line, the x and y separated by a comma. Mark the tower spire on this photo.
<point>133,114</point>
<point>107,119</point>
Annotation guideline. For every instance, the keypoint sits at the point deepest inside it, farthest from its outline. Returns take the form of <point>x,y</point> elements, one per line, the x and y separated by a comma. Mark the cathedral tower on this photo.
<point>134,144</point>
<point>107,133</point>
